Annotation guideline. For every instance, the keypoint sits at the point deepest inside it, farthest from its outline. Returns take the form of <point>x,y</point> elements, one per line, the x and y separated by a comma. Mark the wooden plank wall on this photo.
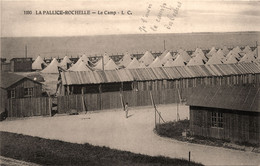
<point>111,100</point>
<point>25,107</point>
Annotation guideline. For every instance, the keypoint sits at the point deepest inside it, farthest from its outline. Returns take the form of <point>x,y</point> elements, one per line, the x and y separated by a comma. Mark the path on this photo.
<point>135,134</point>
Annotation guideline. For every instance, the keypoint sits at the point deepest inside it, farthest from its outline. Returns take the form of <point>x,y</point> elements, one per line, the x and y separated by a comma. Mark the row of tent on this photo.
<point>182,58</point>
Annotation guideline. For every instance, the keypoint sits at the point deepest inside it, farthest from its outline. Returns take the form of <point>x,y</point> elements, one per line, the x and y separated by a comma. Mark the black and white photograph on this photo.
<point>130,82</point>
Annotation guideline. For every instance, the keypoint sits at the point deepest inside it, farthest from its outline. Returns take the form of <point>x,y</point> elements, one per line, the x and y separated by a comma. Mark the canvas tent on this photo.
<point>211,52</point>
<point>184,55</point>
<point>195,61</point>
<point>147,58</point>
<point>74,66</point>
<point>52,67</point>
<point>236,49</point>
<point>99,64</point>
<point>110,65</point>
<point>248,57</point>
<point>81,66</point>
<point>247,49</point>
<point>199,53</point>
<point>165,52</point>
<point>214,60</point>
<point>178,61</point>
<point>134,64</point>
<point>166,58</point>
<point>225,50</point>
<point>220,55</point>
<point>38,64</point>
<point>126,59</point>
<point>231,59</point>
<point>233,54</point>
<point>65,62</point>
<point>169,63</point>
<point>156,63</point>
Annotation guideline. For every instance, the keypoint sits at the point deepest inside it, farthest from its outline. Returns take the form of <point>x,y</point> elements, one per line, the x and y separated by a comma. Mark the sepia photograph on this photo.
<point>130,82</point>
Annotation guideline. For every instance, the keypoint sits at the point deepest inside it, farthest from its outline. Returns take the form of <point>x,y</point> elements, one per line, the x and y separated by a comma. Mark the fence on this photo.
<point>25,107</point>
<point>111,100</point>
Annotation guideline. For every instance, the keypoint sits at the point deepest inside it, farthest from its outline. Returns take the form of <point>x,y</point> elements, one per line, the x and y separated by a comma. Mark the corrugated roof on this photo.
<point>243,98</point>
<point>159,73</point>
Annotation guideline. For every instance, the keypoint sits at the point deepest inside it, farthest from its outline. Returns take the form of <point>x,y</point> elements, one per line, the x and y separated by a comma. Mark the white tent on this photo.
<point>220,55</point>
<point>195,61</point>
<point>99,64</point>
<point>199,53</point>
<point>234,54</point>
<point>84,58</point>
<point>52,67</point>
<point>65,61</point>
<point>166,58</point>
<point>156,63</point>
<point>211,52</point>
<point>236,49</point>
<point>248,57</point>
<point>37,64</point>
<point>142,65</point>
<point>214,60</point>
<point>165,52</point>
<point>225,50</point>
<point>178,61</point>
<point>81,66</point>
<point>185,55</point>
<point>169,63</point>
<point>247,49</point>
<point>74,66</point>
<point>110,65</point>
<point>126,59</point>
<point>134,64</point>
<point>147,58</point>
<point>231,59</point>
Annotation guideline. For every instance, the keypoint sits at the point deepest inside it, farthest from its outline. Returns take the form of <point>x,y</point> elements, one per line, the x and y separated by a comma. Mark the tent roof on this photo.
<point>195,61</point>
<point>110,65</point>
<point>165,52</point>
<point>248,57</point>
<point>214,60</point>
<point>166,57</point>
<point>65,61</point>
<point>126,59</point>
<point>81,66</point>
<point>52,67</point>
<point>178,61</point>
<point>37,64</point>
<point>156,63</point>
<point>147,58</point>
<point>231,59</point>
<point>133,64</point>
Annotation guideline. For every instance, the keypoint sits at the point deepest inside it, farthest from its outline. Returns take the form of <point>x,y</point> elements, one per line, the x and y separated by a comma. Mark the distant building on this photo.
<point>226,112</point>
<point>21,64</point>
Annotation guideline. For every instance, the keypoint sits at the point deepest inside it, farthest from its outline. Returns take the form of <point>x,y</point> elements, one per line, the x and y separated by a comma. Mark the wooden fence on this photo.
<point>25,107</point>
<point>111,100</point>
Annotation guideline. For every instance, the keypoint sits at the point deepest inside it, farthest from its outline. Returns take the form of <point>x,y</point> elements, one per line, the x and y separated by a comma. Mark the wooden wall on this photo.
<point>239,126</point>
<point>26,83</point>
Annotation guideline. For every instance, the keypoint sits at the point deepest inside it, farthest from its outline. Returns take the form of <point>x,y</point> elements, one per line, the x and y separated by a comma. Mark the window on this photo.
<point>13,94</point>
<point>28,92</point>
<point>217,119</point>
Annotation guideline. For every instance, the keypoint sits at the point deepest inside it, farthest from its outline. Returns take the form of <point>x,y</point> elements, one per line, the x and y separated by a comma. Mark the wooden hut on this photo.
<point>226,112</point>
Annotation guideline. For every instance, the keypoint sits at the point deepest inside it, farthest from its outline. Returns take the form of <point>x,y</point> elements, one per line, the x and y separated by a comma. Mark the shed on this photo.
<point>21,64</point>
<point>226,112</point>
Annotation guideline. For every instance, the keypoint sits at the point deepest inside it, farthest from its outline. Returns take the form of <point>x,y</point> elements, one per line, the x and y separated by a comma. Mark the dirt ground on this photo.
<point>110,128</point>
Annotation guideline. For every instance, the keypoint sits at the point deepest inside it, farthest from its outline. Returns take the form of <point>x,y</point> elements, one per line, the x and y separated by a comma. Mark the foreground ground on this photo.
<point>52,152</point>
<point>135,134</point>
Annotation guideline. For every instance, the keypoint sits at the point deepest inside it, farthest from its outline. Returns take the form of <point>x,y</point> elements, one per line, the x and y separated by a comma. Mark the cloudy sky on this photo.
<point>193,16</point>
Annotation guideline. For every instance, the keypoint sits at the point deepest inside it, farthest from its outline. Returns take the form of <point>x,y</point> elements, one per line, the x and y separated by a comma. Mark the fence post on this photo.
<point>189,157</point>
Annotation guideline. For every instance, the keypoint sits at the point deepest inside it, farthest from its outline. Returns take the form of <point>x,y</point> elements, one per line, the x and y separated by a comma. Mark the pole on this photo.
<point>103,63</point>
<point>25,51</point>
<point>189,157</point>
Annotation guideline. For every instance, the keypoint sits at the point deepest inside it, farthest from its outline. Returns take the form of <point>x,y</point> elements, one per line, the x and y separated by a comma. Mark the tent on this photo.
<point>247,49</point>
<point>134,64</point>
<point>142,65</point>
<point>156,63</point>
<point>65,61</point>
<point>74,66</point>
<point>178,61</point>
<point>199,52</point>
<point>248,57</point>
<point>234,54</point>
<point>220,55</point>
<point>110,65</point>
<point>214,60</point>
<point>37,64</point>
<point>231,59</point>
<point>165,52</point>
<point>166,58</point>
<point>169,63</point>
<point>81,66</point>
<point>236,49</point>
<point>52,67</point>
<point>211,52</point>
<point>99,64</point>
<point>225,50</point>
<point>185,55</point>
<point>126,59</point>
<point>84,58</point>
<point>147,58</point>
<point>195,61</point>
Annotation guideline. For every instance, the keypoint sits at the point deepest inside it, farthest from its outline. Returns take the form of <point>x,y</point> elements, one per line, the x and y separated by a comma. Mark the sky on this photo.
<point>145,17</point>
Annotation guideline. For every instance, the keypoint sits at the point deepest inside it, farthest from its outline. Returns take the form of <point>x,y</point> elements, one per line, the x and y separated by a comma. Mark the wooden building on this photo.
<point>146,79</point>
<point>226,112</point>
<point>21,64</point>
<point>17,86</point>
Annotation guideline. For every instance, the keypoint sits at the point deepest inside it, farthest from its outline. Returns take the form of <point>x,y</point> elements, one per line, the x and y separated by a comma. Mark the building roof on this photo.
<point>159,73</point>
<point>243,98</point>
<point>9,79</point>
